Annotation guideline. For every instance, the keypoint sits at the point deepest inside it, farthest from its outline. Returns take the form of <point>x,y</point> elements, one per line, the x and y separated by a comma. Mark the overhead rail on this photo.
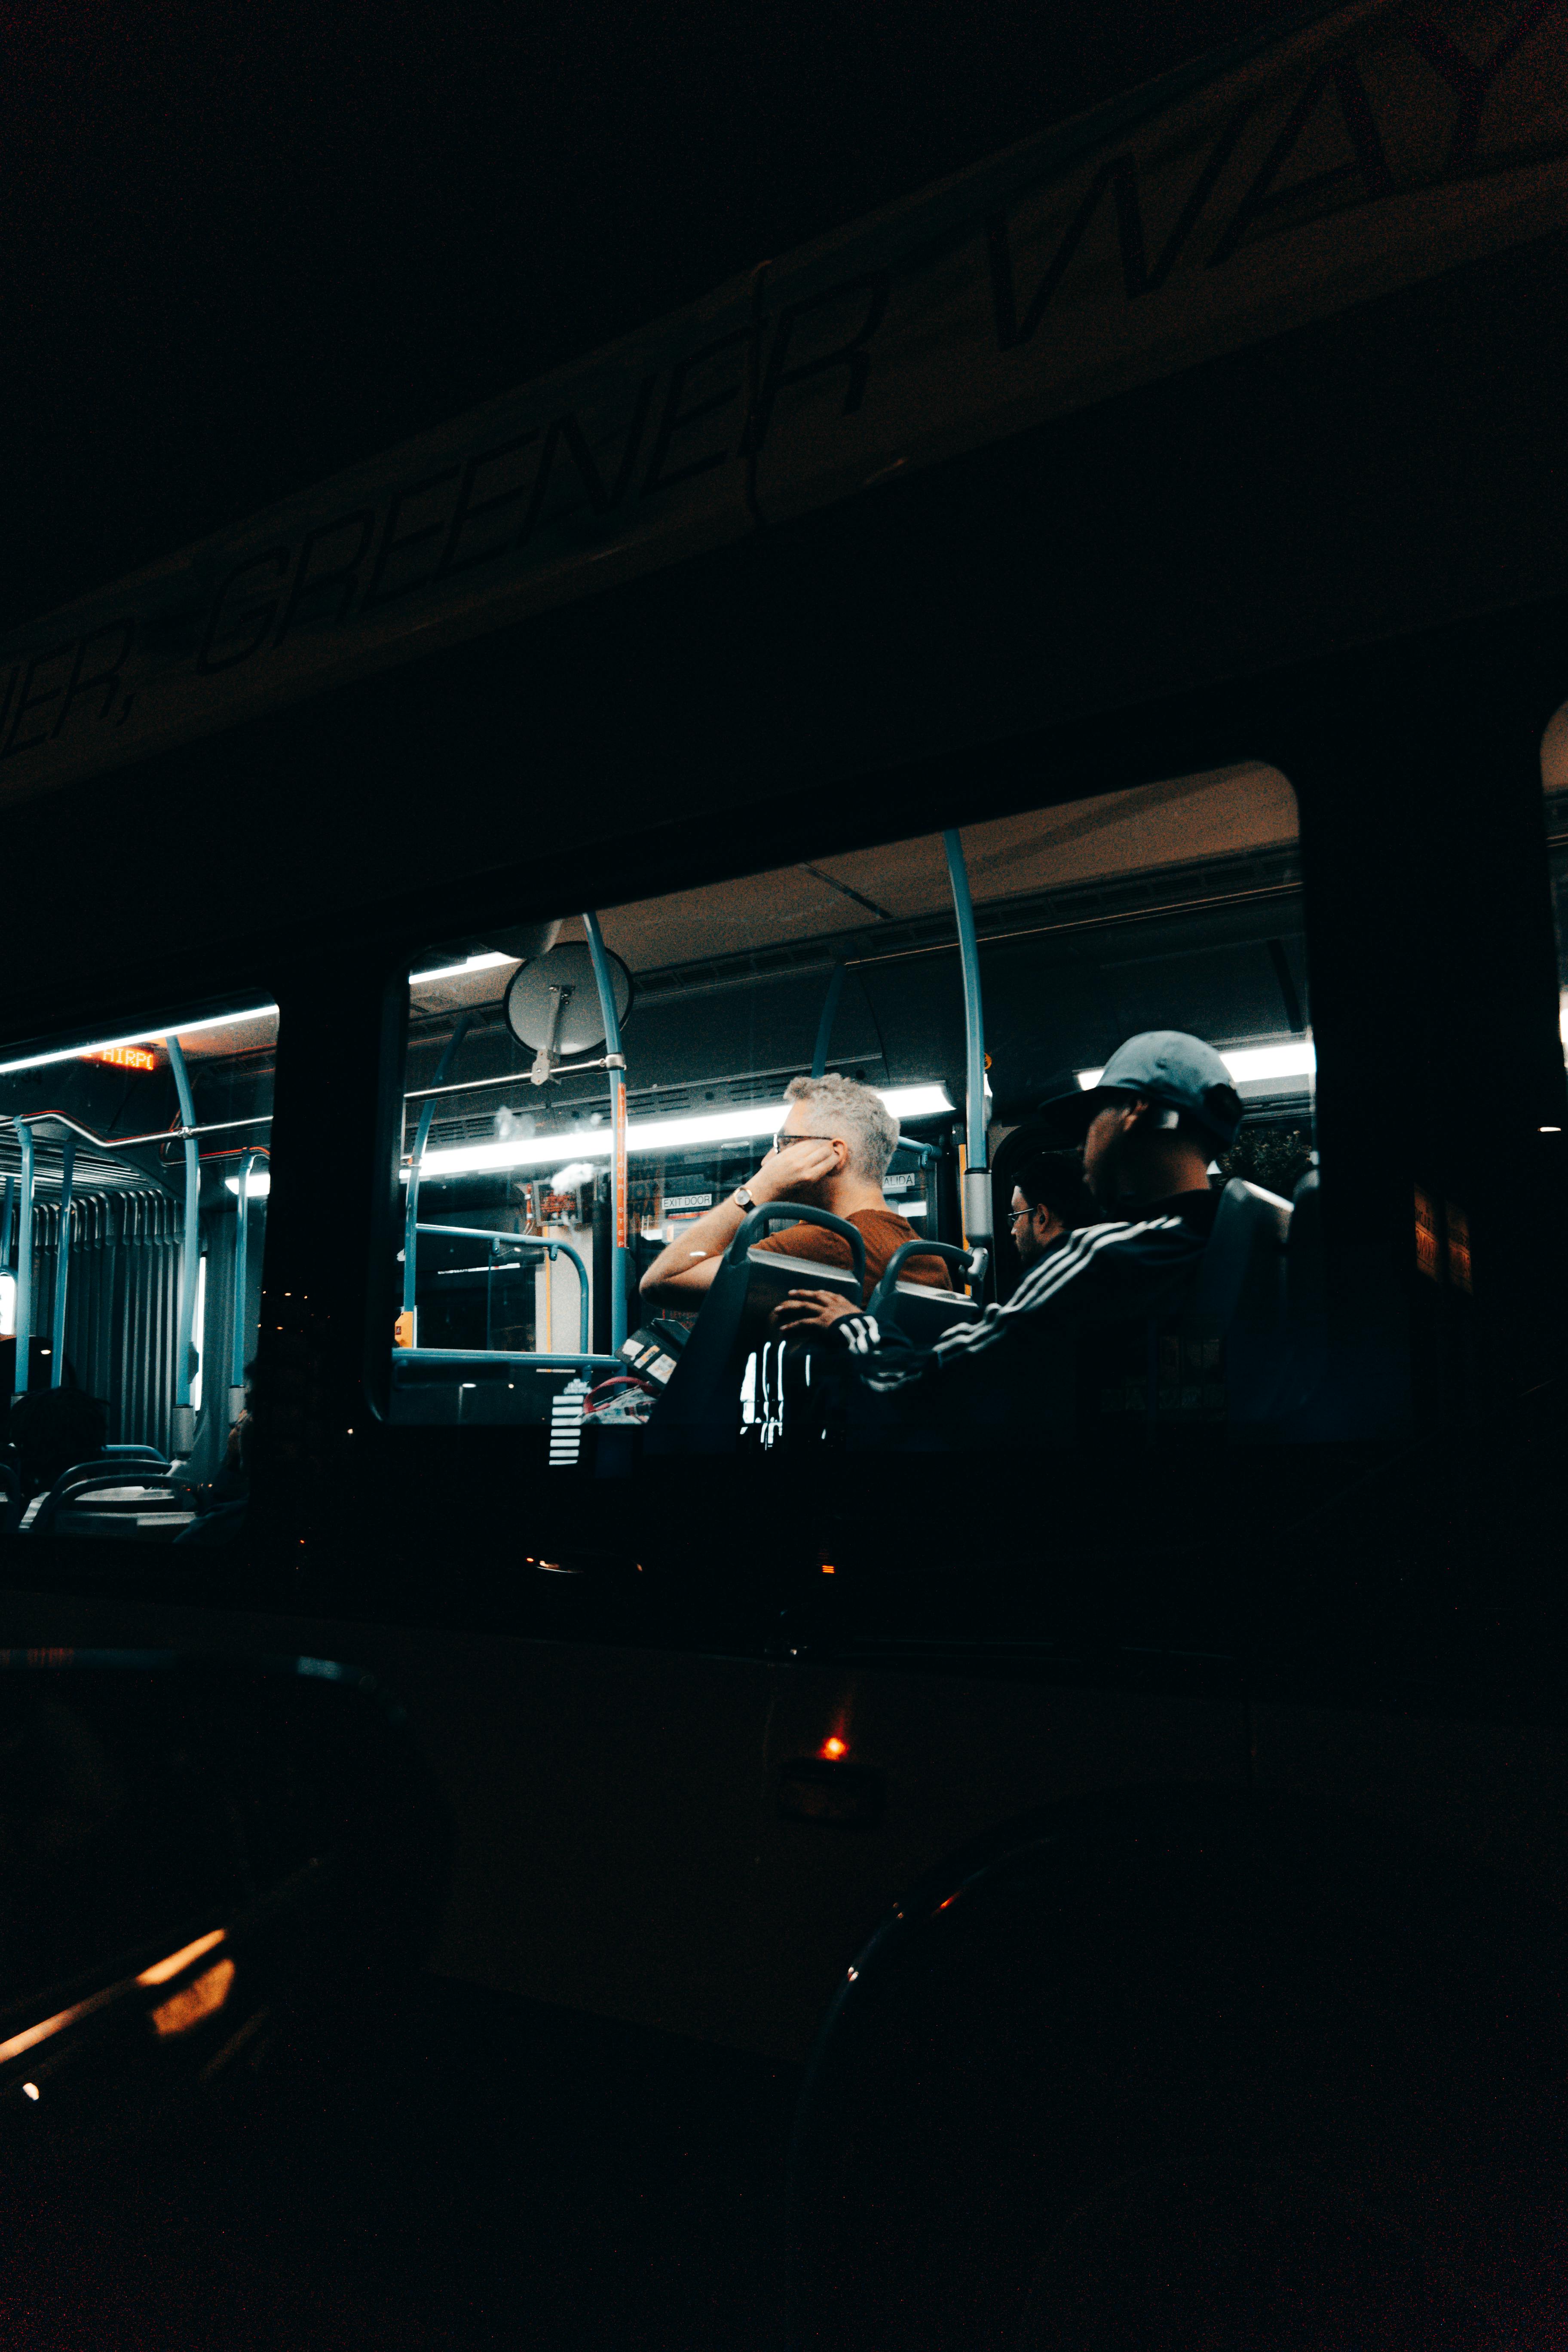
<point>615,1063</point>
<point>110,1144</point>
<point>977,1217</point>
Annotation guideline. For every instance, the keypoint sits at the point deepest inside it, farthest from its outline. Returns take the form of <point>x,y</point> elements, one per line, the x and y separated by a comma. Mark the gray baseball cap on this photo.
<point>1168,1068</point>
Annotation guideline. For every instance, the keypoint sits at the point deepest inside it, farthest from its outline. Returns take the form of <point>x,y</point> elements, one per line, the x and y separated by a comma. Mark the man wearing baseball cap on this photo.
<point>1162,1106</point>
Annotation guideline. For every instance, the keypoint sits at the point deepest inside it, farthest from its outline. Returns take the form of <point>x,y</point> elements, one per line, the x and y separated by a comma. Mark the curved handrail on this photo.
<point>84,1477</point>
<point>971,1261</point>
<point>795,1213</point>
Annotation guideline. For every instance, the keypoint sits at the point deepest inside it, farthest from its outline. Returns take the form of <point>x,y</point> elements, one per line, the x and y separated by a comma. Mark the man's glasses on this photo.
<point>1018,1213</point>
<point>783,1142</point>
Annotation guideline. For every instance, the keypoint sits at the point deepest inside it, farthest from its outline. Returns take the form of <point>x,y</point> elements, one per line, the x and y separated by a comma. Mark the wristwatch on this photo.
<point>742,1199</point>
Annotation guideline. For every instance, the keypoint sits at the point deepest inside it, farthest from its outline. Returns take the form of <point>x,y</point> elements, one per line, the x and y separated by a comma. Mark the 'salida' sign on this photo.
<point>1357,154</point>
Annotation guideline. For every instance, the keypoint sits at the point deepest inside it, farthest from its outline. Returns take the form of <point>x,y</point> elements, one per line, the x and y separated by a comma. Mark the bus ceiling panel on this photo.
<point>1184,820</point>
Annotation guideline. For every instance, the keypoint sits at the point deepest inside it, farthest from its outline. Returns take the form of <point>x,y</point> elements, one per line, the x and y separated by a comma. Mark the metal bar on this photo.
<point>110,1144</point>
<point>411,1214</point>
<point>526,1241</point>
<point>977,1218</point>
<point>1078,923</point>
<point>237,1327</point>
<point>185,1337</point>
<point>24,1260</point>
<point>825,1027</point>
<point>6,1222</point>
<point>509,1079</point>
<point>614,1062</point>
<point>62,1262</point>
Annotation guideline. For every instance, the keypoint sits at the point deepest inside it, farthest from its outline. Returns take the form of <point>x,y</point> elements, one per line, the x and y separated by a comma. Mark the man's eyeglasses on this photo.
<point>783,1142</point>
<point>1018,1214</point>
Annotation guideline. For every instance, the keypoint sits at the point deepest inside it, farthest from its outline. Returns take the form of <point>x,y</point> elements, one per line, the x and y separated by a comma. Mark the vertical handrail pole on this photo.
<point>615,1063</point>
<point>977,1218</point>
<point>23,1255</point>
<point>62,1262</point>
<point>421,1137</point>
<point>184,1435</point>
<point>5,1224</point>
<point>825,1027</point>
<point>236,1328</point>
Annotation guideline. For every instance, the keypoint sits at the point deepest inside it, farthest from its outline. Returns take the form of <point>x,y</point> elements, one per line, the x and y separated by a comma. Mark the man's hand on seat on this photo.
<point>808,1314</point>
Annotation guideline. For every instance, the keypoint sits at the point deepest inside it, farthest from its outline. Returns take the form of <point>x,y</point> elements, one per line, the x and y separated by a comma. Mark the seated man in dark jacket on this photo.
<point>1163,1107</point>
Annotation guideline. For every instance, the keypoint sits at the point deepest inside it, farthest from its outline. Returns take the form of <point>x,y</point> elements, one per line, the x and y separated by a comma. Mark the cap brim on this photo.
<point>1069,1114</point>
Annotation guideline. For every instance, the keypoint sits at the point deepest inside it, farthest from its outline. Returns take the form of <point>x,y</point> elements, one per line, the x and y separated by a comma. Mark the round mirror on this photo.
<point>553,1004</point>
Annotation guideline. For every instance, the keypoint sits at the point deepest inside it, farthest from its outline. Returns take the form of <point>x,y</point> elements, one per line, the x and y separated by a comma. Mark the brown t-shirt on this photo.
<point>883,1231</point>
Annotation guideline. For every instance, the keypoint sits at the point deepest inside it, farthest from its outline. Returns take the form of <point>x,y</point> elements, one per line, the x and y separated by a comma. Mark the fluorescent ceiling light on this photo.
<point>1250,1065</point>
<point>656,1134</point>
<point>141,1037</point>
<point>456,971</point>
<point>258,1184</point>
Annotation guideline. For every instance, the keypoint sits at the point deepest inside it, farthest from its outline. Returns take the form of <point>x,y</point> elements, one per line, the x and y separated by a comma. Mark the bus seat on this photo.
<point>697,1413</point>
<point>137,1486</point>
<point>1306,1298</point>
<point>920,1312</point>
<point>1241,1294</point>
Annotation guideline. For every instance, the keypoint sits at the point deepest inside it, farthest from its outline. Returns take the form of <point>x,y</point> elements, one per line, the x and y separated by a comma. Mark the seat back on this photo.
<point>697,1413</point>
<point>87,1478</point>
<point>1305,1299</point>
<point>1240,1294</point>
<point>922,1312</point>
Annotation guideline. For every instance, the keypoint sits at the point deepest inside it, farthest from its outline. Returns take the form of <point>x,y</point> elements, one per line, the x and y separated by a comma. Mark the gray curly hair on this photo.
<point>857,1116</point>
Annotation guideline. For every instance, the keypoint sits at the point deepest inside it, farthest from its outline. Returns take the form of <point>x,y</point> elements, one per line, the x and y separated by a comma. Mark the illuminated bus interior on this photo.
<point>1176,905</point>
<point>134,1175</point>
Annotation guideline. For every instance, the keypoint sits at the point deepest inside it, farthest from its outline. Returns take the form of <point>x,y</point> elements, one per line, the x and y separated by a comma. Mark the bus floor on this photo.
<point>481,2172</point>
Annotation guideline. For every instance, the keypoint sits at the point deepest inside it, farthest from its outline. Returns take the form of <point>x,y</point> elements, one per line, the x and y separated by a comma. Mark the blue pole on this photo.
<point>977,1219</point>
<point>422,1134</point>
<point>24,1257</point>
<point>620,1257</point>
<point>189,1249</point>
<point>242,1220</point>
<point>62,1262</point>
<point>825,1027</point>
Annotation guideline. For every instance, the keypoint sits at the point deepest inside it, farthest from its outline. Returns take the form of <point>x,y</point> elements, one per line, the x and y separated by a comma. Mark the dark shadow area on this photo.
<point>474,2170</point>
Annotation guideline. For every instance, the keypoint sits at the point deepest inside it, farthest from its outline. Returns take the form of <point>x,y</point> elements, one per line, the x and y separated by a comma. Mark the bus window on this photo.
<point>134,1174</point>
<point>594,1246</point>
<point>1554,781</point>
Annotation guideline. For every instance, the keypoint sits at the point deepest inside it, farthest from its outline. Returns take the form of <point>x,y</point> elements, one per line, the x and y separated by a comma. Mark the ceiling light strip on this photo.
<point>645,1135</point>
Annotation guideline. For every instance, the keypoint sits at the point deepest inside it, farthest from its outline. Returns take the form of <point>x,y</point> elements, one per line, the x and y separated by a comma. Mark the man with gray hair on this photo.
<point>831,1152</point>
